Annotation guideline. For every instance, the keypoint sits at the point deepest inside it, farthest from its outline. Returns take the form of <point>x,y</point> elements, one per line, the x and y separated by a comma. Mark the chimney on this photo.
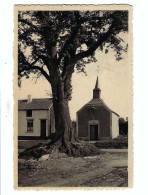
<point>29,98</point>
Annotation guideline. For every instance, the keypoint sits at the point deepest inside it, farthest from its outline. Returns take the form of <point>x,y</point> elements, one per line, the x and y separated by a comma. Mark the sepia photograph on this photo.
<point>73,88</point>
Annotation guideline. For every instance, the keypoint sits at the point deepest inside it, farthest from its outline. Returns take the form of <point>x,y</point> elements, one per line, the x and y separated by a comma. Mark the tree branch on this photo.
<point>72,36</point>
<point>92,49</point>
<point>36,68</point>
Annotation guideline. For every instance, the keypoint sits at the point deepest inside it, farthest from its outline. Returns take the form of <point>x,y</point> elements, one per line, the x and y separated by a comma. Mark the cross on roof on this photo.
<point>98,69</point>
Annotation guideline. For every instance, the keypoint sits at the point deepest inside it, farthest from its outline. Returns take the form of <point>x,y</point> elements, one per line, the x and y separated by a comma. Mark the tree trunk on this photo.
<point>63,123</point>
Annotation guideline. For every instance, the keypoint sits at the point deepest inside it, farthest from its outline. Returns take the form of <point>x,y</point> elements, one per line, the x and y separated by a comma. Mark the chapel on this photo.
<point>95,120</point>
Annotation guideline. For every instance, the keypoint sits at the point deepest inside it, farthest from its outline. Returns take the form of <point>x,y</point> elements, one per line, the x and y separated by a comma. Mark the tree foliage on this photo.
<point>55,43</point>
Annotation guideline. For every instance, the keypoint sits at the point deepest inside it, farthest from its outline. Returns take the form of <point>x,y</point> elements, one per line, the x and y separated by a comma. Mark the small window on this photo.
<point>29,125</point>
<point>29,113</point>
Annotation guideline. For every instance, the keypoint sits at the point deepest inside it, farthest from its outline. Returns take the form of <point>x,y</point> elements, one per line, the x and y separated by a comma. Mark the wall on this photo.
<point>115,125</point>
<point>36,116</point>
<point>88,113</point>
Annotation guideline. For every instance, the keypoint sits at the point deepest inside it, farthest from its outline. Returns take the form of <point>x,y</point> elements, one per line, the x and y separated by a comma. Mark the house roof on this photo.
<point>35,104</point>
<point>97,102</point>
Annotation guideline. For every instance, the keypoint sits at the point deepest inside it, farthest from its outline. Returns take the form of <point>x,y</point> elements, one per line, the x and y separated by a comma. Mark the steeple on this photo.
<point>97,84</point>
<point>96,90</point>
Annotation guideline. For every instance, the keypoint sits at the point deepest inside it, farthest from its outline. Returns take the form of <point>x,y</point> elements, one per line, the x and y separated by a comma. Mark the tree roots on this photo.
<point>76,149</point>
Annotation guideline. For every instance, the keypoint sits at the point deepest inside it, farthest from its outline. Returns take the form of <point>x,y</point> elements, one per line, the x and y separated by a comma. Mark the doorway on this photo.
<point>43,129</point>
<point>93,132</point>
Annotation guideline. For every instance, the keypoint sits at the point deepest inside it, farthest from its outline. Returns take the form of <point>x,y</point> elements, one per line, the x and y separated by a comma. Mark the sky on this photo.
<point>114,78</point>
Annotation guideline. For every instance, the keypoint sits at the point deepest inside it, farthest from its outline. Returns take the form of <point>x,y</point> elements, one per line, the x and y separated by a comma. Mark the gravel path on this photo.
<point>107,169</point>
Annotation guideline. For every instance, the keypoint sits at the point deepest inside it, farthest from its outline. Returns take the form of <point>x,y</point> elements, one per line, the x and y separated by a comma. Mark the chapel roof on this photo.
<point>97,102</point>
<point>35,104</point>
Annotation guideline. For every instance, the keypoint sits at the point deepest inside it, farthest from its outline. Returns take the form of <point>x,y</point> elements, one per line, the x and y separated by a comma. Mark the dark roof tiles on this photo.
<point>97,102</point>
<point>35,104</point>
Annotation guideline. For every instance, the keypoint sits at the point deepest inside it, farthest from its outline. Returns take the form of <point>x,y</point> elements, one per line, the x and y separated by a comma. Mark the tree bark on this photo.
<point>63,123</point>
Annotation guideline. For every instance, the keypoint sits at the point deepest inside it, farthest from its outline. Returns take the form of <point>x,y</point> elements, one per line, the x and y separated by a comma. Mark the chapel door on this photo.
<point>43,129</point>
<point>93,132</point>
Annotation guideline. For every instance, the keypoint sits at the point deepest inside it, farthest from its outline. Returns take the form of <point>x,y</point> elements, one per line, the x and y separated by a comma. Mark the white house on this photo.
<point>35,119</point>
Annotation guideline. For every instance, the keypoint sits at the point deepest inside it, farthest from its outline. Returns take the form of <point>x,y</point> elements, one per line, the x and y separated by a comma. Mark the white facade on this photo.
<point>115,126</point>
<point>37,116</point>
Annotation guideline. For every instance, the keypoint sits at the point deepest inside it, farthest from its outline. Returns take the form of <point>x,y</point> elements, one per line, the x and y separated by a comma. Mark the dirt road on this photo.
<point>107,169</point>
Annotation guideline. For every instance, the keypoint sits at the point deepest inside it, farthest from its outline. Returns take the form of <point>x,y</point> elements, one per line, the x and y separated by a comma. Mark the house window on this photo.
<point>29,125</point>
<point>29,113</point>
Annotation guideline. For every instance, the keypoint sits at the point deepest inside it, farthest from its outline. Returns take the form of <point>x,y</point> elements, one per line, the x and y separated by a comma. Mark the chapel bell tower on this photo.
<point>96,90</point>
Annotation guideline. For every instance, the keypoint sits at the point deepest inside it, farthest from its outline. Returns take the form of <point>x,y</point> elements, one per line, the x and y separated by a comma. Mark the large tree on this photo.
<point>55,43</point>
